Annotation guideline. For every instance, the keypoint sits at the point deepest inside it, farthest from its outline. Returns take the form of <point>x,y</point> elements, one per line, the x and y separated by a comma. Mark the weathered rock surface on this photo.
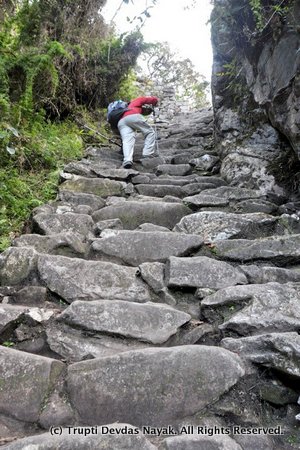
<point>202,442</point>
<point>280,351</point>
<point>150,322</point>
<point>101,187</point>
<point>267,274</point>
<point>153,274</point>
<point>26,380</point>
<point>9,315</point>
<point>213,226</point>
<point>95,437</point>
<point>57,223</point>
<point>76,279</point>
<point>79,199</point>
<point>200,271</point>
<point>136,247</point>
<point>283,249</point>
<point>17,264</point>
<point>270,307</point>
<point>174,169</point>
<point>67,243</point>
<point>193,376</point>
<point>160,190</point>
<point>132,214</point>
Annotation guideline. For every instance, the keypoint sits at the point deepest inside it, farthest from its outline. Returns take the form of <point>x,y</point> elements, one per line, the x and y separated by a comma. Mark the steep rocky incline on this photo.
<point>152,308</point>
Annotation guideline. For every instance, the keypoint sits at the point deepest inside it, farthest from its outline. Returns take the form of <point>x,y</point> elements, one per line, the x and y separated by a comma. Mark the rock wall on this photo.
<point>256,90</point>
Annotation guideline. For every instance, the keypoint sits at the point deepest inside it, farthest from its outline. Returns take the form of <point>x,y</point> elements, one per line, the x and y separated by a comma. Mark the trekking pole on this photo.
<point>112,141</point>
<point>155,131</point>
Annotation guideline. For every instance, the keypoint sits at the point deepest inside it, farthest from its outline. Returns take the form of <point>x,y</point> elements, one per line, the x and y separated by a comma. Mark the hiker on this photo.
<point>131,121</point>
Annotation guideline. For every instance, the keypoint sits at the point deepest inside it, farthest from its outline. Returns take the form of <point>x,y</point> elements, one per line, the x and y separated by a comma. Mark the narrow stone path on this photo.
<point>156,297</point>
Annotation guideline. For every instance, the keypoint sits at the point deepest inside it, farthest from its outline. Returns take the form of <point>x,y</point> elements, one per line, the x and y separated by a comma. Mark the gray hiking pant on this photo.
<point>127,127</point>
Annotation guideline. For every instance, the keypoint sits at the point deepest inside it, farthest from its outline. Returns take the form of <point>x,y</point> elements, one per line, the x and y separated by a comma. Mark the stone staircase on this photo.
<point>152,308</point>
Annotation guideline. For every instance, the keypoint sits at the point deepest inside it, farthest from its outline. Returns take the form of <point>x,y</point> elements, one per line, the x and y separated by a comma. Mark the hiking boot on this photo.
<point>127,165</point>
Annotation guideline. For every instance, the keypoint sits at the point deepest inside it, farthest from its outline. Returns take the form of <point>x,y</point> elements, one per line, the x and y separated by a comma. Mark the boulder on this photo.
<point>218,225</point>
<point>204,162</point>
<point>113,388</point>
<point>280,351</point>
<point>279,249</point>
<point>133,213</point>
<point>101,187</point>
<point>269,307</point>
<point>29,378</point>
<point>150,322</point>
<point>200,271</point>
<point>77,279</point>
<point>17,264</point>
<point>136,247</point>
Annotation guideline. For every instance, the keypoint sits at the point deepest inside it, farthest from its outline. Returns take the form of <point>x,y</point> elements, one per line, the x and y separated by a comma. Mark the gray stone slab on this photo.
<point>136,247</point>
<point>26,380</point>
<point>269,307</point>
<point>75,345</point>
<point>267,274</point>
<point>174,169</point>
<point>79,199</point>
<point>117,436</point>
<point>153,274</point>
<point>201,271</point>
<point>67,243</point>
<point>218,225</point>
<point>282,249</point>
<point>115,174</point>
<point>101,187</point>
<point>280,351</point>
<point>196,188</point>
<point>202,200</point>
<point>16,265</point>
<point>171,383</point>
<point>150,322</point>
<point>160,190</point>
<point>133,213</point>
<point>233,193</point>
<point>60,223</point>
<point>77,279</point>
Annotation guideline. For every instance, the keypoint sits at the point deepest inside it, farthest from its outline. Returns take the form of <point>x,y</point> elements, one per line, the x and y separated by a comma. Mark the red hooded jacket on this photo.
<point>136,104</point>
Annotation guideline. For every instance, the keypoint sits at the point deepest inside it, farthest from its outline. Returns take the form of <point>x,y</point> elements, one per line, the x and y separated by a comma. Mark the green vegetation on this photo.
<point>60,65</point>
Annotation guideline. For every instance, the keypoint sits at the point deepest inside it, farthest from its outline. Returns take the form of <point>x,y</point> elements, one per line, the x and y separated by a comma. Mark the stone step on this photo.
<point>135,247</point>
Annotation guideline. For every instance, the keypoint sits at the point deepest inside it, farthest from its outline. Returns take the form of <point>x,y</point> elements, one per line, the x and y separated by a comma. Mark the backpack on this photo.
<point>115,111</point>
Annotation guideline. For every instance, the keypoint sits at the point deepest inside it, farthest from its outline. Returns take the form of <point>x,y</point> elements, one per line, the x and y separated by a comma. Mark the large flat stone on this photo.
<point>160,190</point>
<point>67,243</point>
<point>282,249</point>
<point>116,436</point>
<point>170,383</point>
<point>150,322</point>
<point>136,247</point>
<point>280,351</point>
<point>174,169</point>
<point>132,214</point>
<point>25,382</point>
<point>269,307</point>
<point>101,187</point>
<point>202,200</point>
<point>77,279</point>
<point>60,223</point>
<point>200,271</point>
<point>79,199</point>
<point>217,225</point>
<point>267,274</point>
<point>74,345</point>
